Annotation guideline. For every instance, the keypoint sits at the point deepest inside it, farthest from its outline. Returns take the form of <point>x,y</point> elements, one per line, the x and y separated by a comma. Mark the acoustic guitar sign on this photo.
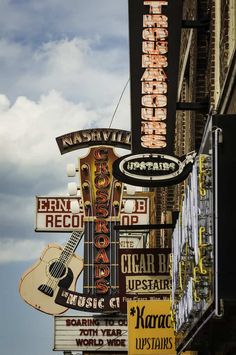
<point>57,267</point>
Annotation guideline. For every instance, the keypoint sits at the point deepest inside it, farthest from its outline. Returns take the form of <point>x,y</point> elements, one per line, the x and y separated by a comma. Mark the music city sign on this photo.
<point>101,195</point>
<point>154,51</point>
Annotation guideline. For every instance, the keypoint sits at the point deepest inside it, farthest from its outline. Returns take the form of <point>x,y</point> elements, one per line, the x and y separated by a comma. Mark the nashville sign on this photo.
<point>155,28</point>
<point>90,137</point>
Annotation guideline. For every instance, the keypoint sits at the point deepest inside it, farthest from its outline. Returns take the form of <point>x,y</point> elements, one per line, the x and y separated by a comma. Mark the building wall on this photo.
<point>207,75</point>
<point>193,87</point>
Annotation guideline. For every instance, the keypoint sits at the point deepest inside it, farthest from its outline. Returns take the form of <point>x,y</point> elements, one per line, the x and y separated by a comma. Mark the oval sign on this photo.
<point>152,169</point>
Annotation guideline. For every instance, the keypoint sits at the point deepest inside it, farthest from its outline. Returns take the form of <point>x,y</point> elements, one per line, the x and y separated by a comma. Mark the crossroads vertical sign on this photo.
<point>155,29</point>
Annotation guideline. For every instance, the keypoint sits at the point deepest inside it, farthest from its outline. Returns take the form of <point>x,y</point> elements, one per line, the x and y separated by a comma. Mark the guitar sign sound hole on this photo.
<point>57,269</point>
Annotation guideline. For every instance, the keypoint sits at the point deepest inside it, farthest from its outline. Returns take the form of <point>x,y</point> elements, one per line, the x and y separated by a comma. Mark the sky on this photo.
<point>63,66</point>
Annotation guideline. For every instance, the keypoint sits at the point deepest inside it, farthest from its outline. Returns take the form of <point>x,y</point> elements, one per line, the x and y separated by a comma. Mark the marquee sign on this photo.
<point>192,263</point>
<point>90,333</point>
<point>155,28</point>
<point>53,214</point>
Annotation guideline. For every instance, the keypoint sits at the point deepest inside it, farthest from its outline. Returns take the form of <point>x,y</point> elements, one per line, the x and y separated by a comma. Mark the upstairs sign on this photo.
<point>153,169</point>
<point>154,28</point>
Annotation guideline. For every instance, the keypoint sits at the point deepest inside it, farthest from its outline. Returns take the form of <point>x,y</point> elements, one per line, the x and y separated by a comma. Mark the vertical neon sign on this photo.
<point>154,32</point>
<point>154,51</point>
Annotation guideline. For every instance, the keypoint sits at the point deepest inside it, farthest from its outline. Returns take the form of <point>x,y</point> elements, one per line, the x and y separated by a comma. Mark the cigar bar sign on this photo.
<point>144,273</point>
<point>53,213</point>
<point>90,333</point>
<point>155,28</point>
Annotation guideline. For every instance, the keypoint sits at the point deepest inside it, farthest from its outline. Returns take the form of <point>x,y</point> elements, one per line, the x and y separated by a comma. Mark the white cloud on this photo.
<point>4,103</point>
<point>17,212</point>
<point>82,72</point>
<point>51,18</point>
<point>29,128</point>
<point>63,68</point>
<point>78,68</point>
<point>12,250</point>
<point>30,160</point>
<point>88,64</point>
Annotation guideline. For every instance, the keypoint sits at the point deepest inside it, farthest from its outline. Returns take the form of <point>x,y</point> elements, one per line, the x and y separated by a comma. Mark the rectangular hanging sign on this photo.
<point>144,274</point>
<point>90,333</point>
<point>150,330</point>
<point>154,32</point>
<point>53,213</point>
<point>132,241</point>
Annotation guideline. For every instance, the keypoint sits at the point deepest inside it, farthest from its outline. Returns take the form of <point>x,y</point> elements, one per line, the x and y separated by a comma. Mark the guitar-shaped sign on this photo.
<point>56,268</point>
<point>102,197</point>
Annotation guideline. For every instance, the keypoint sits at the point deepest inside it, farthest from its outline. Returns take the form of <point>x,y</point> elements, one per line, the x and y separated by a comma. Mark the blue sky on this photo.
<point>63,65</point>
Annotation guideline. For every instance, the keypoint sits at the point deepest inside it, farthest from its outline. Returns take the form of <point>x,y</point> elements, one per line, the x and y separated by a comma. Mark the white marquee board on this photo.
<point>92,333</point>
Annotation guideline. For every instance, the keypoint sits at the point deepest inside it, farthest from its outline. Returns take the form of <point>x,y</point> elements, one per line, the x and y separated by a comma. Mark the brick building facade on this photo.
<point>207,82</point>
<point>206,78</point>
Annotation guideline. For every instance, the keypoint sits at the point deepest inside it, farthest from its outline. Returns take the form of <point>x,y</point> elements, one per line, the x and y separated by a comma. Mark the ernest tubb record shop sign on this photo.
<point>154,28</point>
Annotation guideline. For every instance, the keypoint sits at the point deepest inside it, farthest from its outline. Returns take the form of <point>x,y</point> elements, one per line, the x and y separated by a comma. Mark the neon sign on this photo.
<point>154,31</point>
<point>155,28</point>
<point>102,240</point>
<point>154,79</point>
<point>101,194</point>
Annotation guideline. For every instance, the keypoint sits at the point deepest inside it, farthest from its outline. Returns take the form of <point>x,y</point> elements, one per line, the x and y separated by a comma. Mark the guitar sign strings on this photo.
<point>57,269</point>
